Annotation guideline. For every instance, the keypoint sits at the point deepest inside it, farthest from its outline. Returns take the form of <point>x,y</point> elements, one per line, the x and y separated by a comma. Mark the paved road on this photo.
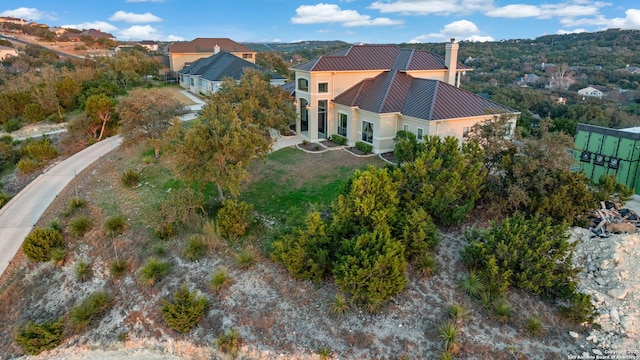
<point>18,217</point>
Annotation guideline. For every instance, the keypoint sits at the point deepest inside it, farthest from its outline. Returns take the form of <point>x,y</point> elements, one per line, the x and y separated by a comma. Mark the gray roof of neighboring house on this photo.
<point>375,57</point>
<point>221,65</point>
<point>396,91</point>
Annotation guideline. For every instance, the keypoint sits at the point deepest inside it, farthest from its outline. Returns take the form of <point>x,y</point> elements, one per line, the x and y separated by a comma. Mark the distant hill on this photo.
<point>296,47</point>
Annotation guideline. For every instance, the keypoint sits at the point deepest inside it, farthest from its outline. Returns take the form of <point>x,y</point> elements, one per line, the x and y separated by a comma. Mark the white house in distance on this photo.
<point>591,91</point>
<point>206,75</point>
<point>6,51</point>
<point>370,92</point>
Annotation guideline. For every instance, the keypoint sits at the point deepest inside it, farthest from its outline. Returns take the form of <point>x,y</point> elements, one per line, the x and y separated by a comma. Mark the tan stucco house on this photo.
<point>184,53</point>
<point>370,92</point>
<point>6,51</point>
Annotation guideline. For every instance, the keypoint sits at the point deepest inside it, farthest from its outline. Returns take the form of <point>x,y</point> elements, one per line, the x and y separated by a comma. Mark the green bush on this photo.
<point>130,178</point>
<point>154,270</point>
<point>219,280</point>
<point>229,342</point>
<point>406,147</point>
<point>580,309</point>
<point>28,165</point>
<point>371,268</point>
<point>80,225</point>
<point>364,147</point>
<point>608,188</point>
<point>35,338</point>
<point>246,258</point>
<point>339,139</point>
<point>114,225</point>
<point>234,217</point>
<point>165,231</point>
<point>184,311</point>
<point>39,150</point>
<point>117,268</point>
<point>534,327</point>
<point>195,248</point>
<point>39,244</point>
<point>4,198</point>
<point>91,309</point>
<point>530,254</point>
<point>12,125</point>
<point>417,231</point>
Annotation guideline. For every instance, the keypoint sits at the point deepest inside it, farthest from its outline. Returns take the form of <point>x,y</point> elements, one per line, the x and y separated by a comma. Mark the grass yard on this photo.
<point>291,181</point>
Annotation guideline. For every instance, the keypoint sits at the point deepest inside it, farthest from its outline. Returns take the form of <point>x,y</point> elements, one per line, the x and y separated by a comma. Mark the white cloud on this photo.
<point>98,25</point>
<point>573,9</point>
<point>331,13</point>
<point>631,21</point>
<point>432,7</point>
<point>574,31</point>
<point>515,11</point>
<point>29,14</point>
<point>461,30</point>
<point>145,32</point>
<point>134,18</point>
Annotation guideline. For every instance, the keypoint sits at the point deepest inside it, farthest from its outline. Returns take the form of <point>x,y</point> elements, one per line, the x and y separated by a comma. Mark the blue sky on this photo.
<point>353,21</point>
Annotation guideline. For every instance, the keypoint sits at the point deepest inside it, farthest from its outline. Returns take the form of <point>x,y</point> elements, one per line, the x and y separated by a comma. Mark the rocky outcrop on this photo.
<point>611,275</point>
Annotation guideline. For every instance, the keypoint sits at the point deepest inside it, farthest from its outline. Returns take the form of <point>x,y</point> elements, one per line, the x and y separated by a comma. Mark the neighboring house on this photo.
<point>206,75</point>
<point>6,51</point>
<point>184,53</point>
<point>632,69</point>
<point>591,91</point>
<point>12,20</point>
<point>369,92</point>
<point>149,45</point>
<point>59,31</point>
<point>96,34</point>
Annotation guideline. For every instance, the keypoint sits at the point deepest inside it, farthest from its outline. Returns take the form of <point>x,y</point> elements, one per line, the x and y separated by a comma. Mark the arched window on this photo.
<point>303,84</point>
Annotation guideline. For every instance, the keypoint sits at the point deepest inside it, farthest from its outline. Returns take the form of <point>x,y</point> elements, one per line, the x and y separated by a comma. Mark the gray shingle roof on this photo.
<point>220,66</point>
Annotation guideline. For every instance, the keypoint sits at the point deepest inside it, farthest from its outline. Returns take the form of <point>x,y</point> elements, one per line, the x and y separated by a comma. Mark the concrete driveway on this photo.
<point>19,215</point>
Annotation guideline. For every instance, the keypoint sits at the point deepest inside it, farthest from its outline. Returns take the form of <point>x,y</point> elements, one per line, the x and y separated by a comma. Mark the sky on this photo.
<point>352,21</point>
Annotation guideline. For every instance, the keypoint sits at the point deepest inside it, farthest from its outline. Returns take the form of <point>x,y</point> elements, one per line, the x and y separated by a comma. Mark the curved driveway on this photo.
<point>19,215</point>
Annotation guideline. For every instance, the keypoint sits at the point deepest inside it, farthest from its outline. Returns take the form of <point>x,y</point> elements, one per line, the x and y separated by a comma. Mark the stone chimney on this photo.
<point>216,49</point>
<point>451,61</point>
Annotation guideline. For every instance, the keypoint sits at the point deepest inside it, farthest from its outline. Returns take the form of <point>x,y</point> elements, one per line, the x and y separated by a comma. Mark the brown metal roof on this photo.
<point>375,57</point>
<point>207,45</point>
<point>396,91</point>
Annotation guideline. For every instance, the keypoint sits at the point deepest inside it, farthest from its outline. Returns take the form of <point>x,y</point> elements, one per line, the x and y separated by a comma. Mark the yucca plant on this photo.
<point>324,353</point>
<point>159,250</point>
<point>130,178</point>
<point>339,306</point>
<point>77,203</point>
<point>458,313</point>
<point>79,226</point>
<point>450,333</point>
<point>118,268</point>
<point>534,327</point>
<point>472,284</point>
<point>195,248</point>
<point>82,270</point>
<point>219,280</point>
<point>154,270</point>
<point>114,225</point>
<point>501,311</point>
<point>89,310</point>
<point>229,342</point>
<point>427,264</point>
<point>246,258</point>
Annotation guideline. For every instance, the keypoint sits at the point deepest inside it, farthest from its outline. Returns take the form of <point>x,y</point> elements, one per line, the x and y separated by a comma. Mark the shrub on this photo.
<point>472,284</point>
<point>118,268</point>
<point>165,231</point>
<point>534,327</point>
<point>458,313</point>
<point>35,338</point>
<point>39,244</point>
<point>83,271</point>
<point>39,150</point>
<point>154,270</point>
<point>91,309</point>
<point>195,248</point>
<point>114,225</point>
<point>58,254</point>
<point>339,306</point>
<point>234,218</point>
<point>339,139</point>
<point>229,342</point>
<point>12,125</point>
<point>246,258</point>
<point>80,225</point>
<point>364,147</point>
<point>28,165</point>
<point>371,268</point>
<point>450,333</point>
<point>77,203</point>
<point>4,198</point>
<point>416,230</point>
<point>159,250</point>
<point>406,147</point>
<point>531,254</point>
<point>184,311</point>
<point>608,188</point>
<point>580,309</point>
<point>219,280</point>
<point>130,178</point>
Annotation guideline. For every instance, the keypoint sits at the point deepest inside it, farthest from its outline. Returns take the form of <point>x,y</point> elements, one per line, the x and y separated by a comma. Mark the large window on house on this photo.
<point>303,84</point>
<point>322,117</point>
<point>367,132</point>
<point>342,124</point>
<point>323,87</point>
<point>420,134</point>
<point>247,56</point>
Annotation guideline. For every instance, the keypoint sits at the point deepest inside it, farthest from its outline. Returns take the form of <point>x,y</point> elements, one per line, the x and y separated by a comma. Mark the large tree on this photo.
<point>146,114</point>
<point>100,109</point>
